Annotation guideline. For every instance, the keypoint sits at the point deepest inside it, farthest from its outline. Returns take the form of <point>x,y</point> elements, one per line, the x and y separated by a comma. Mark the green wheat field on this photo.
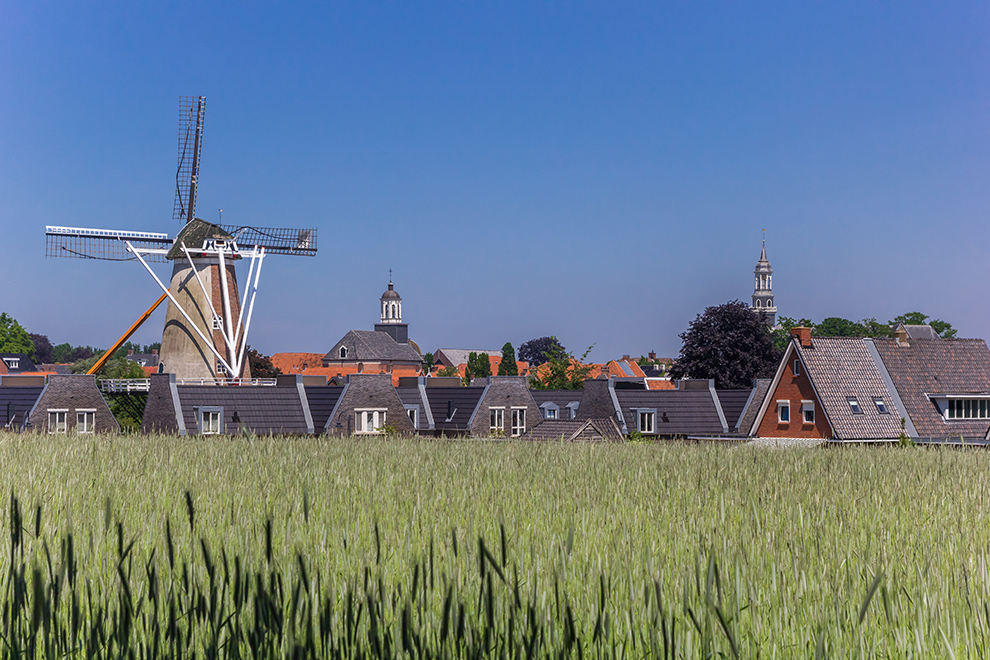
<point>153,547</point>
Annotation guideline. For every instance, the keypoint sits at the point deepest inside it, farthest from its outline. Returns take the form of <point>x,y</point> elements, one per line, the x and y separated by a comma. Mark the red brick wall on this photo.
<point>794,389</point>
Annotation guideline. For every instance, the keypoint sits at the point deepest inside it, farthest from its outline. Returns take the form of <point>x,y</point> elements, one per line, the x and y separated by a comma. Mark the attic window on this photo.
<point>808,409</point>
<point>797,367</point>
<point>881,406</point>
<point>343,352</point>
<point>854,405</point>
<point>12,363</point>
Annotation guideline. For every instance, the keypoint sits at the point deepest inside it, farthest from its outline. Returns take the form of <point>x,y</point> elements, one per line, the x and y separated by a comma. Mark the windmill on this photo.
<point>208,319</point>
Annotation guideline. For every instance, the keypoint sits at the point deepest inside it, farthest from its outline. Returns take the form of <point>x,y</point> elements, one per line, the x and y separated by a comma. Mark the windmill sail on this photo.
<point>192,113</point>
<point>280,240</point>
<point>103,244</point>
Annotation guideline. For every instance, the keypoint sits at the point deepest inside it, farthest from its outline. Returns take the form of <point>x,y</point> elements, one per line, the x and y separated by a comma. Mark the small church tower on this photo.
<point>763,293</point>
<point>391,321</point>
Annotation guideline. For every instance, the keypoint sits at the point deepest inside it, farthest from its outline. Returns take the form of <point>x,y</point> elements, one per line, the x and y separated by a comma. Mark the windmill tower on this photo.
<point>208,318</point>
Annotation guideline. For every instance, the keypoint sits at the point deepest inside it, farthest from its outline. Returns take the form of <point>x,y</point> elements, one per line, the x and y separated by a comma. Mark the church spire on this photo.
<point>763,291</point>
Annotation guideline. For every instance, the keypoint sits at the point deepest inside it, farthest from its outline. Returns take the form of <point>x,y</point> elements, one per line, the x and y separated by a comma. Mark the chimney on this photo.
<point>625,358</point>
<point>803,334</point>
<point>130,352</point>
<point>901,336</point>
<point>653,356</point>
<point>154,351</point>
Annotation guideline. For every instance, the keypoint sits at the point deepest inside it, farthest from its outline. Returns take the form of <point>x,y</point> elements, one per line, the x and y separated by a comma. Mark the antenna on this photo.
<point>192,113</point>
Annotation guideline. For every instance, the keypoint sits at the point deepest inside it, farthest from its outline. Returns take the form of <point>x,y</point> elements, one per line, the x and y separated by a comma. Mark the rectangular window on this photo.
<point>210,421</point>
<point>57,421</point>
<point>518,422</point>
<point>496,420</point>
<point>369,421</point>
<point>413,412</point>
<point>217,322</point>
<point>881,406</point>
<point>797,367</point>
<point>854,405</point>
<point>647,421</point>
<point>12,363</point>
<point>783,412</point>
<point>549,413</point>
<point>808,409</point>
<point>85,421</point>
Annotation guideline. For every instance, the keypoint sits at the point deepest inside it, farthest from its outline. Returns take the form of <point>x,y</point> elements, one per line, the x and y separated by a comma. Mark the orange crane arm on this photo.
<point>130,331</point>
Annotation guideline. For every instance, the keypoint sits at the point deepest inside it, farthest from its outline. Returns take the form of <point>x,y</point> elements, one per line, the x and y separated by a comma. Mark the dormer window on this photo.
<point>343,352</point>
<point>12,363</point>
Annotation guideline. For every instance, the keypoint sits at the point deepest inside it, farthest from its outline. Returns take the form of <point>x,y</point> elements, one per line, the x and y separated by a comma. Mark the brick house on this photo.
<point>71,404</point>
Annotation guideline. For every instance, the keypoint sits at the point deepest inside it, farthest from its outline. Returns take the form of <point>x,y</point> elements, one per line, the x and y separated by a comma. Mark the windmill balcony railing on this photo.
<point>123,385</point>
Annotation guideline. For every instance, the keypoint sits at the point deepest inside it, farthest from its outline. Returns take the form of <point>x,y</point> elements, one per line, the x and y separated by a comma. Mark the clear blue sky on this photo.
<point>598,171</point>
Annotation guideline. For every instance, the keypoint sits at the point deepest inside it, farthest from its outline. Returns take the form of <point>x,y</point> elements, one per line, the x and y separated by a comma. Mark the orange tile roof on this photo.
<point>297,363</point>
<point>659,384</point>
<point>344,370</point>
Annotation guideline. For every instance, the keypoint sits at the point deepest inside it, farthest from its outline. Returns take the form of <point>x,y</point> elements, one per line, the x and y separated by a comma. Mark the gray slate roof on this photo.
<point>759,393</point>
<point>260,409</point>
<point>321,402</point>
<point>571,430</point>
<point>18,401</point>
<point>733,403</point>
<point>371,346</point>
<point>842,367</point>
<point>463,400</point>
<point>938,366</point>
<point>24,363</point>
<point>457,356</point>
<point>679,412</point>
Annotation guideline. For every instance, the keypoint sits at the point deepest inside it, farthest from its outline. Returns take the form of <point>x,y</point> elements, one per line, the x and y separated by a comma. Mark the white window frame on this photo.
<point>549,410</point>
<point>646,420</point>
<point>12,363</point>
<point>518,421</point>
<point>796,367</point>
<point>807,407</point>
<point>342,352</point>
<point>58,421</point>
<point>573,408</point>
<point>784,412</point>
<point>854,405</point>
<point>412,411</point>
<point>210,420</point>
<point>217,322</point>
<point>369,421</point>
<point>85,420</point>
<point>881,405</point>
<point>496,419</point>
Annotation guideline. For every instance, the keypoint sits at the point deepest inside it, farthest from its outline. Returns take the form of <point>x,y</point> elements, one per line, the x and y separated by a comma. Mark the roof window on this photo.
<point>881,406</point>
<point>854,405</point>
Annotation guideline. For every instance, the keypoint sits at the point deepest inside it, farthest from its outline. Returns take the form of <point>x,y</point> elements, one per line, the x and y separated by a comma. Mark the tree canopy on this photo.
<point>508,366</point>
<point>538,351</point>
<point>42,349</point>
<point>14,338</point>
<point>261,365</point>
<point>728,343</point>
<point>944,329</point>
<point>478,366</point>
<point>835,326</point>
<point>562,371</point>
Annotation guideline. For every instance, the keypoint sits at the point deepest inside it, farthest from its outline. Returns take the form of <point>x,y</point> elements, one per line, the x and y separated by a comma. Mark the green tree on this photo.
<point>942,328</point>
<point>562,371</point>
<point>538,351</point>
<point>115,368</point>
<point>261,365</point>
<point>428,362</point>
<point>478,366</point>
<point>834,326</point>
<point>14,338</point>
<point>447,372</point>
<point>508,366</point>
<point>728,343</point>
<point>42,349</point>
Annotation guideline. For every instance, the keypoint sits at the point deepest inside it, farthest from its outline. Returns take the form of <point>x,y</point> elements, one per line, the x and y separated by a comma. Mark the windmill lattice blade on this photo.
<point>192,113</point>
<point>102,244</point>
<point>280,240</point>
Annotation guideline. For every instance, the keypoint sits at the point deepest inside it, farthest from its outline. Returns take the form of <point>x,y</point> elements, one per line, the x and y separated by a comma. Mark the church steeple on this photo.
<point>391,310</point>
<point>763,291</point>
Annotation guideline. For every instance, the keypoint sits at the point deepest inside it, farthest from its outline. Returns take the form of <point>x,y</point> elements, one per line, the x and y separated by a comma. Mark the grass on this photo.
<point>354,548</point>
